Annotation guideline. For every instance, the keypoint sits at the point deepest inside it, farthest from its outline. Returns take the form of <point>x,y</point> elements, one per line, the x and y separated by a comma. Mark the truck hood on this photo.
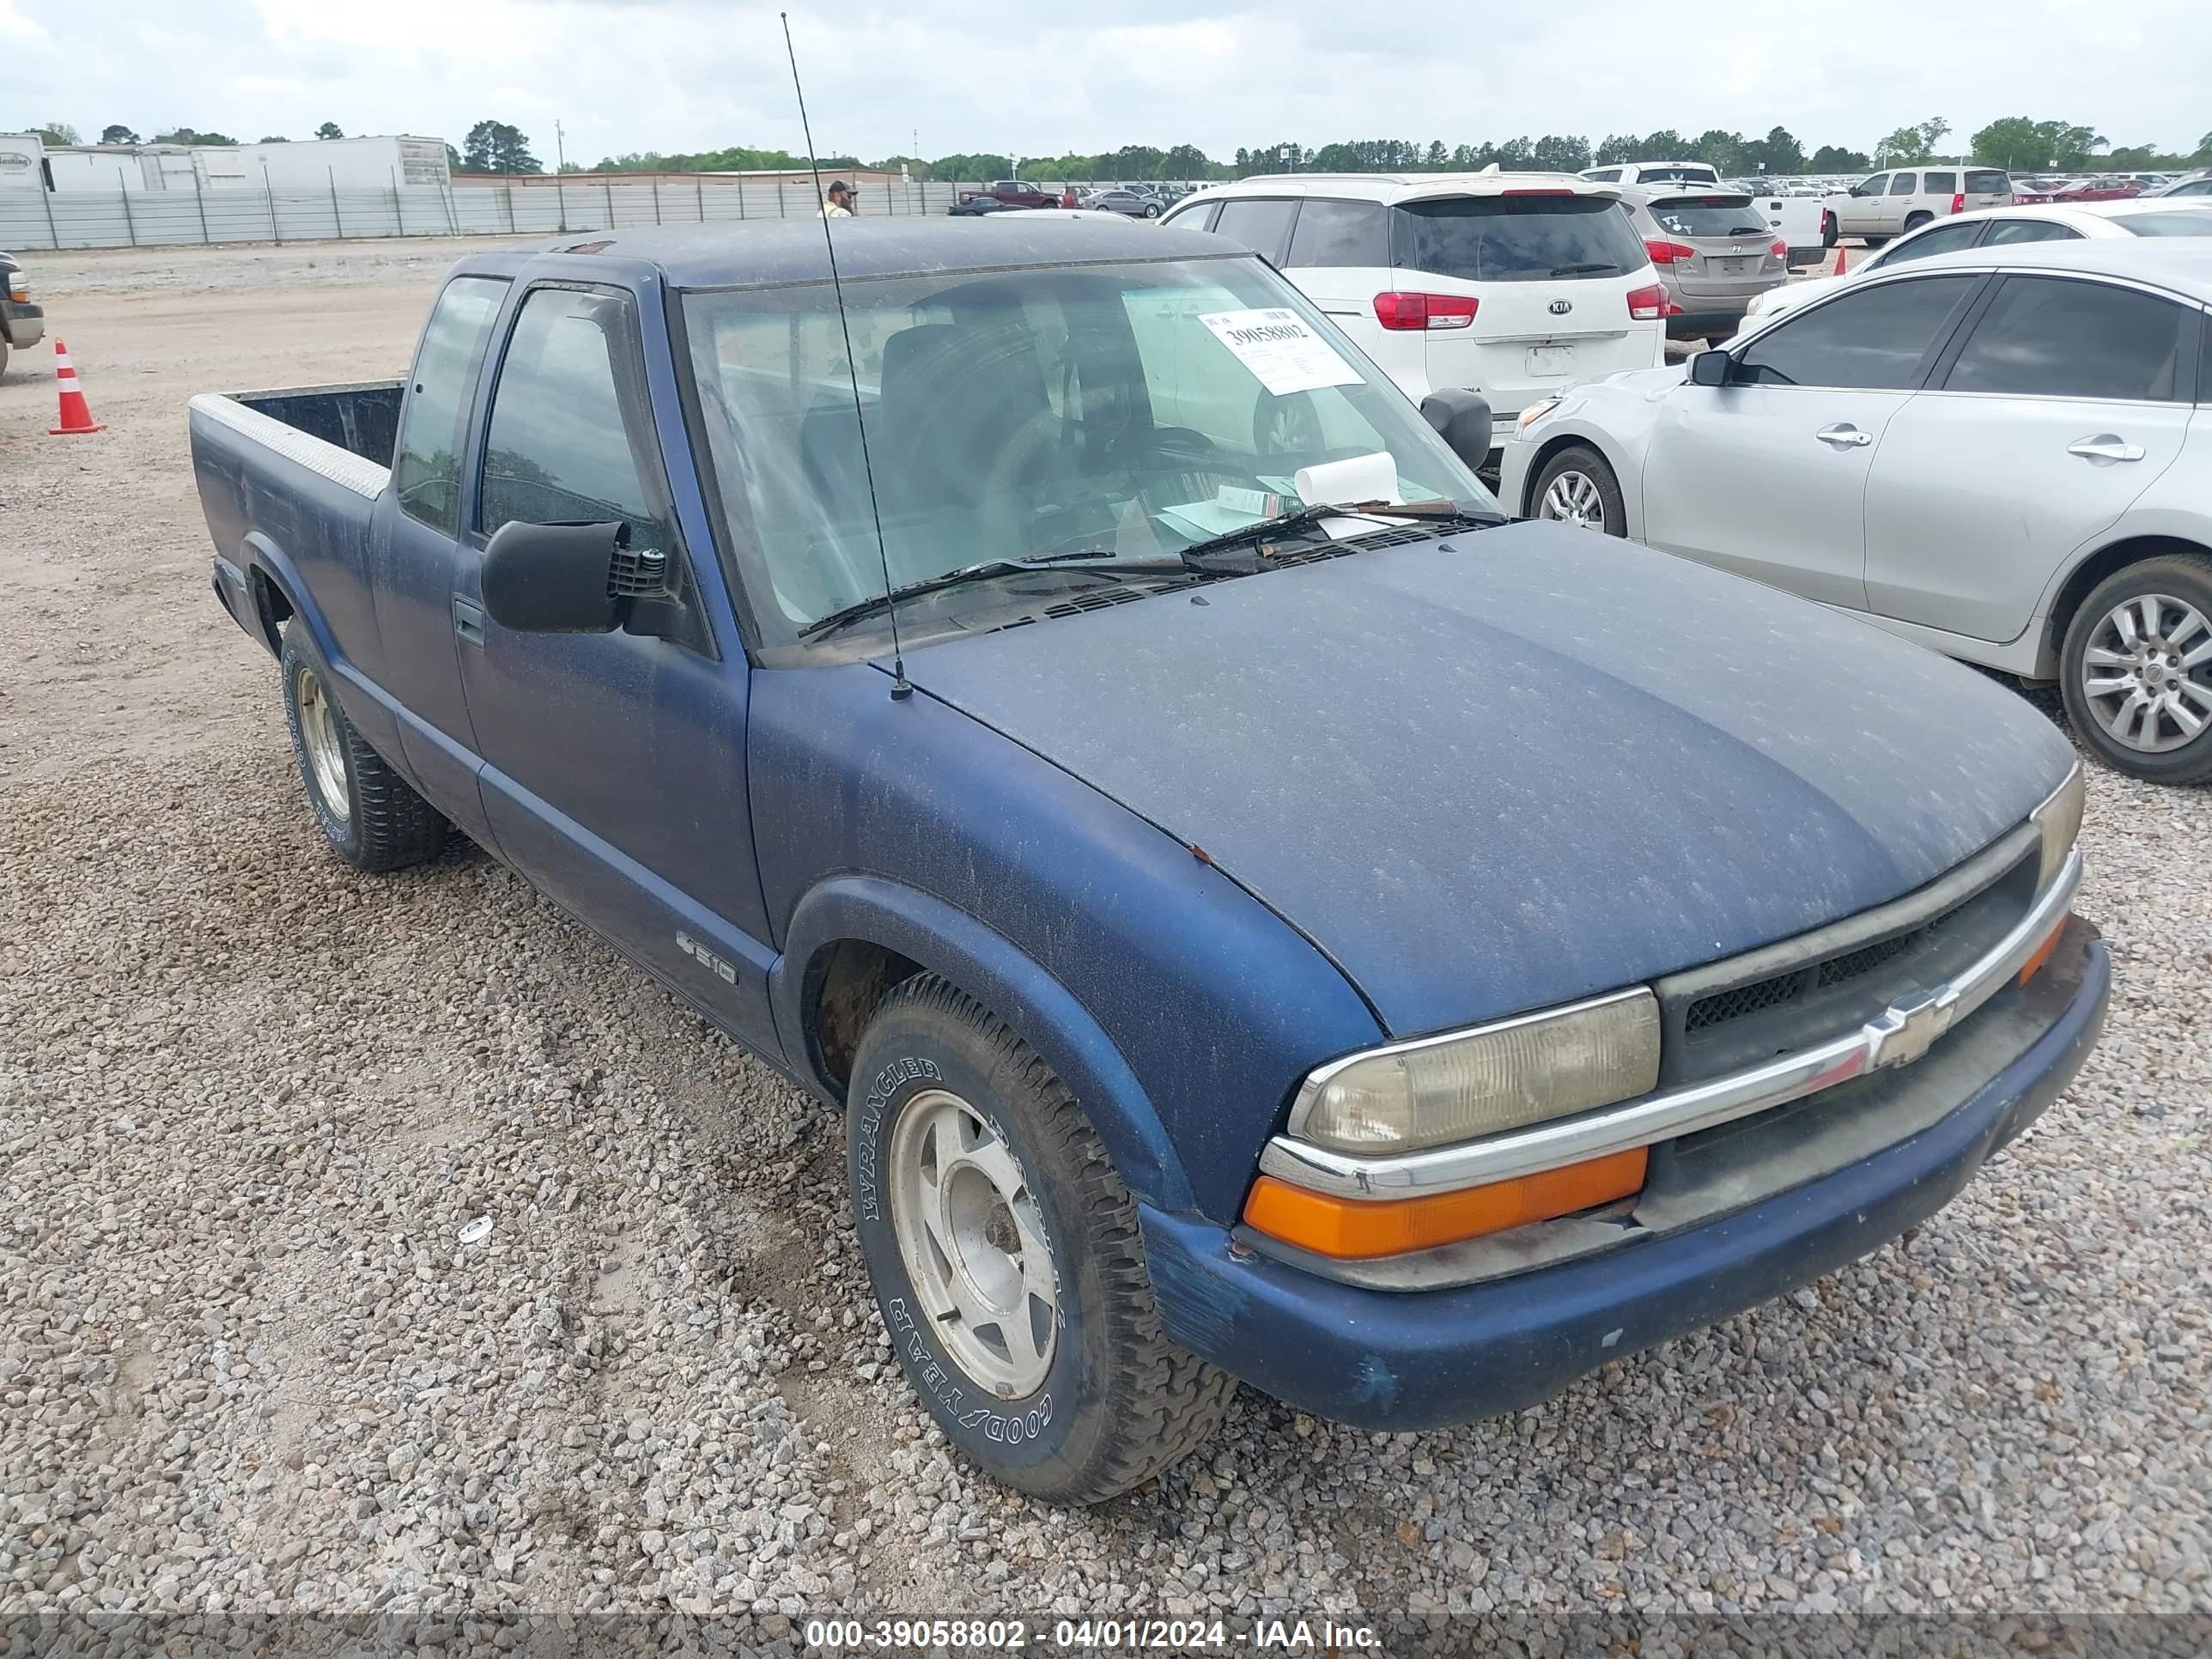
<point>1520,765</point>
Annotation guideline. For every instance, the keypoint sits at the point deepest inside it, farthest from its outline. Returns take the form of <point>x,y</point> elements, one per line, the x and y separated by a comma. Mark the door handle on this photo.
<point>468,621</point>
<point>1845,435</point>
<point>2105,446</point>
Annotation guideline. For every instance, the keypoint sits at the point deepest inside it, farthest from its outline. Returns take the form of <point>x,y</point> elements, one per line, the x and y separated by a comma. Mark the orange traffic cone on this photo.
<point>76,414</point>
<point>1839,271</point>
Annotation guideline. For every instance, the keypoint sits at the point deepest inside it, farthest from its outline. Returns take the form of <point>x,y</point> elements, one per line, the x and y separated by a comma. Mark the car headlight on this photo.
<point>2059,818</point>
<point>1526,1070</point>
<point>19,286</point>
<point>1759,303</point>
<point>1536,412</point>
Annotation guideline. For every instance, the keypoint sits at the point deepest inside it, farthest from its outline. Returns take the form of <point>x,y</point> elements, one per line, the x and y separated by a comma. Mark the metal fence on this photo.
<point>34,219</point>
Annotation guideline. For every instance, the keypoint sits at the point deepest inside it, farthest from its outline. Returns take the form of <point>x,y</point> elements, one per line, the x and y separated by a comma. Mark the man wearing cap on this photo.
<point>839,205</point>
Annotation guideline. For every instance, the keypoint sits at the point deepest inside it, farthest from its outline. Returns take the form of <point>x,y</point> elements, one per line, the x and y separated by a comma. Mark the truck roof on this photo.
<point>772,252</point>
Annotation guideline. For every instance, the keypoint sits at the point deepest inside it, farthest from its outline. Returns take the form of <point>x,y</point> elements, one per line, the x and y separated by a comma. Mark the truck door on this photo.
<point>613,764</point>
<point>411,550</point>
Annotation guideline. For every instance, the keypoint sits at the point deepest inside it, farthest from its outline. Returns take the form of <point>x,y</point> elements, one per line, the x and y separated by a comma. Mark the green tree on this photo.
<point>194,136</point>
<point>1724,150</point>
<point>1832,158</point>
<point>2017,142</point>
<point>1617,147</point>
<point>1910,144</point>
<point>1664,145</point>
<point>117,134</point>
<point>279,138</point>
<point>497,146</point>
<point>58,133</point>
<point>1562,152</point>
<point>330,130</point>
<point>1186,162</point>
<point>454,161</point>
<point>2203,149</point>
<point>1778,152</point>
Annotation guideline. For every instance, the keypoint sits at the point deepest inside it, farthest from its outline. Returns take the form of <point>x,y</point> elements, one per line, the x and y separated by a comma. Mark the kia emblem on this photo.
<point>1561,307</point>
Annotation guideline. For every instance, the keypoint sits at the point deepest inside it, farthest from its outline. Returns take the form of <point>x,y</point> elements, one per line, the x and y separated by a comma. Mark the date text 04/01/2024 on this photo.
<point>1193,1635</point>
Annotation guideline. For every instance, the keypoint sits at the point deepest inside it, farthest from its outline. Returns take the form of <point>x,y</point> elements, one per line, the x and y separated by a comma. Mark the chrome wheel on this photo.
<point>318,736</point>
<point>2147,673</point>
<point>1573,498</point>
<point>967,1229</point>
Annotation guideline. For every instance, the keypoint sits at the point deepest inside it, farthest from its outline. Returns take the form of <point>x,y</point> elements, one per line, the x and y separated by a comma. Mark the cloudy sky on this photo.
<point>676,75</point>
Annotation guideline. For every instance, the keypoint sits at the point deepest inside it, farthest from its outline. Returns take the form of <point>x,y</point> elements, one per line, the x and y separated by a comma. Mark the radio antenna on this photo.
<point>900,687</point>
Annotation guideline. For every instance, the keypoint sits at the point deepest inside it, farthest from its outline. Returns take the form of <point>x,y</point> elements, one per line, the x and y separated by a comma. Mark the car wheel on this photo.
<point>1151,209</point>
<point>1913,221</point>
<point>4,359</point>
<point>1827,230</point>
<point>1578,487</point>
<point>2136,669</point>
<point>1006,1260</point>
<point>371,817</point>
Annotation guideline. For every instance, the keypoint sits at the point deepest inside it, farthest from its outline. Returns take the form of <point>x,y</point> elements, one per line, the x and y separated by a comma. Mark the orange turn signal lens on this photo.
<point>1356,1230</point>
<point>2043,950</point>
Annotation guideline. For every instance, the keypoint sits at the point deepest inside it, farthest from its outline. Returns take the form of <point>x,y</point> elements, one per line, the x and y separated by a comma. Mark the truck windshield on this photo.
<point>1131,409</point>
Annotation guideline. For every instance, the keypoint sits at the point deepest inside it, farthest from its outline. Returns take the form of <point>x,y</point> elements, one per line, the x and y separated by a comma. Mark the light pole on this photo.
<point>560,166</point>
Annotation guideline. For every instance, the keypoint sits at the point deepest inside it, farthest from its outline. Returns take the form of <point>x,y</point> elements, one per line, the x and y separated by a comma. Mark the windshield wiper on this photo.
<point>987,570</point>
<point>1588,269</point>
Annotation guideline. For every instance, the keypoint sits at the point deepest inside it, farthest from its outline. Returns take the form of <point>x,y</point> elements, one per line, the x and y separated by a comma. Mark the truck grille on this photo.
<point>1732,1015</point>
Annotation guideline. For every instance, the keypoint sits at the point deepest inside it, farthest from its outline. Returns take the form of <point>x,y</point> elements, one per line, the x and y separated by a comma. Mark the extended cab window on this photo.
<point>2053,337</point>
<point>426,462</point>
<point>562,448</point>
<point>1870,341</point>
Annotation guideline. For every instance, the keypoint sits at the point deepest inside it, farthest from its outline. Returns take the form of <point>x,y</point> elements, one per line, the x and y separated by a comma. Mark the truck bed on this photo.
<point>358,418</point>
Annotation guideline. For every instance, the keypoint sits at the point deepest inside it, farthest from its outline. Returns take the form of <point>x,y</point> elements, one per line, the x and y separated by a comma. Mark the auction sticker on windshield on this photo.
<point>1283,354</point>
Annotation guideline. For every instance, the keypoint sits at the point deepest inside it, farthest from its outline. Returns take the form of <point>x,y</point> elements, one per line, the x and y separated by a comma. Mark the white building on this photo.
<point>383,163</point>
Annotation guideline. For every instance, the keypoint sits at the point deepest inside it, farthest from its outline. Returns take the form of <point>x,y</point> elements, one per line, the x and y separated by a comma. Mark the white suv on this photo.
<point>1512,284</point>
<point>1890,204</point>
<point>1648,174</point>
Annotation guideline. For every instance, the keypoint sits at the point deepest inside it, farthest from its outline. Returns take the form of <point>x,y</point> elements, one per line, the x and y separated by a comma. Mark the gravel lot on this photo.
<point>247,1099</point>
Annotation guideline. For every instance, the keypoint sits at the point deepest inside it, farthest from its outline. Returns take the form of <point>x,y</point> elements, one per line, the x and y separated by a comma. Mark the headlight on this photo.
<point>1518,1072</point>
<point>19,286</point>
<point>1536,412</point>
<point>1759,302</point>
<point>2059,818</point>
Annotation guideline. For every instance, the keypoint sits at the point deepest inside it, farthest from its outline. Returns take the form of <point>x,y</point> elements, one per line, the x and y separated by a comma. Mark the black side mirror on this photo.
<point>1461,418</point>
<point>553,578</point>
<point>1711,368</point>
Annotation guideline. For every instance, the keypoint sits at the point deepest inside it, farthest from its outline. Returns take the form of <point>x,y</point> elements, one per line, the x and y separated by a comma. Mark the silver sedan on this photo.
<point>2005,454</point>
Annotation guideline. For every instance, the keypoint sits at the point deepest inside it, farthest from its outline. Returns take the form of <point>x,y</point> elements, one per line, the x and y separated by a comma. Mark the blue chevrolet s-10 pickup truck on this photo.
<point>1264,915</point>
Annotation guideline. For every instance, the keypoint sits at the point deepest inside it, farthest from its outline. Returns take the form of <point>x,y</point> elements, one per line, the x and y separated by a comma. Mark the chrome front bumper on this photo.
<point>1901,1034</point>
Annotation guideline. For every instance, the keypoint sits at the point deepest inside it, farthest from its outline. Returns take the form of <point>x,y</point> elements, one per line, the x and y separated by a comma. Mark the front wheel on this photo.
<point>1007,1260</point>
<point>2136,669</point>
<point>1151,210</point>
<point>1578,487</point>
<point>1875,241</point>
<point>1917,220</point>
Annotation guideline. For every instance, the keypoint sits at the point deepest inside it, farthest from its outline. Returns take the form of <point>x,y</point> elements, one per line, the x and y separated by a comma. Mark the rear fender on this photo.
<point>365,703</point>
<point>1041,1010</point>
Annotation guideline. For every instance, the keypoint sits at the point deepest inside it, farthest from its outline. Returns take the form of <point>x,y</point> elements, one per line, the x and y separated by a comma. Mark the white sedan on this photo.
<point>2005,454</point>
<point>2007,226</point>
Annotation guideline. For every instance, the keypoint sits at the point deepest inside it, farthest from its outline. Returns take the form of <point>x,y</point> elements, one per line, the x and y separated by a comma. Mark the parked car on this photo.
<point>1653,172</point>
<point>1271,946</point>
<point>1713,251</point>
<point>22,323</point>
<point>1990,453</point>
<point>1013,192</point>
<point>975,207</point>
<point>1513,284</point>
<point>2199,185</point>
<point>1891,203</point>
<point>2096,189</point>
<point>1998,228</point>
<point>1796,214</point>
<point>1132,203</point>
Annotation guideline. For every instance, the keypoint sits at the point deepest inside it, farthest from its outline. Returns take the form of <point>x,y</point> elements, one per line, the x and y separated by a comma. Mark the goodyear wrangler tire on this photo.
<point>1006,1258</point>
<point>371,817</point>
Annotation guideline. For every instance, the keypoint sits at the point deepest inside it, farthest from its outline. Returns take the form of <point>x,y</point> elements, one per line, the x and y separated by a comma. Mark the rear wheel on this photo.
<point>1827,230</point>
<point>1006,1260</point>
<point>367,812</point>
<point>1913,221</point>
<point>1875,241</point>
<point>1578,487</point>
<point>2136,669</point>
<point>4,359</point>
<point>1151,209</point>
